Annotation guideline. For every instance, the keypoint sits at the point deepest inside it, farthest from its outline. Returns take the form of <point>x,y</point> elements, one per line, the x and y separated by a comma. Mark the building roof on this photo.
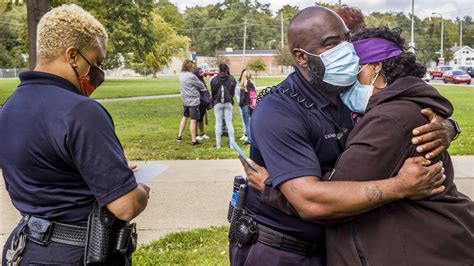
<point>458,48</point>
<point>248,52</point>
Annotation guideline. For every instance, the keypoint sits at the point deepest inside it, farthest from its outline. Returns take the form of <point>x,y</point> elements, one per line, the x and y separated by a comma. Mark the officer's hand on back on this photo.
<point>417,180</point>
<point>131,204</point>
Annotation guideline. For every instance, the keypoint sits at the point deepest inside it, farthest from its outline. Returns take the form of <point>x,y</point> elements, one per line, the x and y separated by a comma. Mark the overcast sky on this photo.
<point>423,8</point>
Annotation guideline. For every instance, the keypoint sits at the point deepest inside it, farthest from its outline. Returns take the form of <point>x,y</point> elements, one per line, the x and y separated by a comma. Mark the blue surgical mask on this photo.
<point>341,64</point>
<point>357,98</point>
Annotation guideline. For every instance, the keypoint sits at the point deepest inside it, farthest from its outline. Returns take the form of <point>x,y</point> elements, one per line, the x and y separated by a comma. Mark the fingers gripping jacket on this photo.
<point>99,235</point>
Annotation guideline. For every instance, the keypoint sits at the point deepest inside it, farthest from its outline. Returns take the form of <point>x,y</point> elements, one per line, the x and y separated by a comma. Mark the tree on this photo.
<point>256,65</point>
<point>13,34</point>
<point>166,44</point>
<point>170,13</point>
<point>284,57</point>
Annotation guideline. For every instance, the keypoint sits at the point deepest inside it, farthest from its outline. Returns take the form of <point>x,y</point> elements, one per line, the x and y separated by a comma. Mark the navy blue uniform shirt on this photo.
<point>59,152</point>
<point>292,141</point>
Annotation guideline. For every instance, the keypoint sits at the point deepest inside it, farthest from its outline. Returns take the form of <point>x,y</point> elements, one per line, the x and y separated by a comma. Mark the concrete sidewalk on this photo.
<point>193,194</point>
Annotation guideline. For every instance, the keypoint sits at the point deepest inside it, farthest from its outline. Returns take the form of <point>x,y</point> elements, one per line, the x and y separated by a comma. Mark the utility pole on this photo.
<point>460,34</point>
<point>35,10</point>
<point>442,34</point>
<point>339,2</point>
<point>245,39</point>
<point>282,30</point>
<point>412,39</point>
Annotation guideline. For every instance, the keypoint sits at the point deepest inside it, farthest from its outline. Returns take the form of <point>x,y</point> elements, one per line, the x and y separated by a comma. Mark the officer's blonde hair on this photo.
<point>68,26</point>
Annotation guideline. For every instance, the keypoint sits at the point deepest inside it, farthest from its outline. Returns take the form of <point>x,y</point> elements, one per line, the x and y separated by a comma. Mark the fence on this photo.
<point>11,72</point>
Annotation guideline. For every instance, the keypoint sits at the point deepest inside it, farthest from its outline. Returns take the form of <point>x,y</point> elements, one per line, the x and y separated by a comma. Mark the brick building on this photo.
<point>236,61</point>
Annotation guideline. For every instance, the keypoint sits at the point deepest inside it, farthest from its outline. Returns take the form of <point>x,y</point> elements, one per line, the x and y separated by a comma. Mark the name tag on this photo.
<point>330,136</point>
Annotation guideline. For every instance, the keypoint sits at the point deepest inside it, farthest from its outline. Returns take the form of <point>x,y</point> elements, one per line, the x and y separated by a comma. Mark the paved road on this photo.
<point>192,194</point>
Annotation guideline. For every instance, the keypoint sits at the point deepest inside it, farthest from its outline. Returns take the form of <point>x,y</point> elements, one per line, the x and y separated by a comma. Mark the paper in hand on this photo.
<point>149,171</point>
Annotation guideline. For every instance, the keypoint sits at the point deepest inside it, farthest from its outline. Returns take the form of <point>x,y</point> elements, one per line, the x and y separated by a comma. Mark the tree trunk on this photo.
<point>35,10</point>
<point>154,73</point>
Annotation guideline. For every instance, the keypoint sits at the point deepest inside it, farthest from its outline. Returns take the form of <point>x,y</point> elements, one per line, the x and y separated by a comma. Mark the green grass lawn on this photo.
<point>462,97</point>
<point>120,88</point>
<point>207,246</point>
<point>148,130</point>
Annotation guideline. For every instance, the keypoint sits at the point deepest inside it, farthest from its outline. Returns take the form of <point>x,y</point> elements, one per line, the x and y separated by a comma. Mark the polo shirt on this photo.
<point>292,141</point>
<point>59,151</point>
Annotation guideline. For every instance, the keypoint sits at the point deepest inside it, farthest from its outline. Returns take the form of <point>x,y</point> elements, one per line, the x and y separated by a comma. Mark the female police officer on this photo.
<point>60,155</point>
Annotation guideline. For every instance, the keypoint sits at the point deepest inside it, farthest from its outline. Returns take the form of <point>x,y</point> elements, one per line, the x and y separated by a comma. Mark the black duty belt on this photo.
<point>43,232</point>
<point>289,243</point>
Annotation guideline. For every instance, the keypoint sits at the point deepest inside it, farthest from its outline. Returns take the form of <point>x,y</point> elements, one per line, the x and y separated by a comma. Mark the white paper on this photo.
<point>149,171</point>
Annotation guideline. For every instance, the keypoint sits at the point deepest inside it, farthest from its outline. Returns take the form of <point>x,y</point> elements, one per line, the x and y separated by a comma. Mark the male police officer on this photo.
<point>59,152</point>
<point>298,132</point>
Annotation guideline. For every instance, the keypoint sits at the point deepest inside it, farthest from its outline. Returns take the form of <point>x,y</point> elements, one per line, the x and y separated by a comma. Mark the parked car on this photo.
<point>427,77</point>
<point>439,71</point>
<point>210,72</point>
<point>468,69</point>
<point>456,77</point>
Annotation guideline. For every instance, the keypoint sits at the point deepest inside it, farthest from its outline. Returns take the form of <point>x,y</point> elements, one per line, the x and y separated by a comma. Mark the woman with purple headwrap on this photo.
<point>438,230</point>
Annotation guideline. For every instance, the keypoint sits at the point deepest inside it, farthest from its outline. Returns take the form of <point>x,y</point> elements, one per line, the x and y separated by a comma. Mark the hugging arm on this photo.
<point>368,158</point>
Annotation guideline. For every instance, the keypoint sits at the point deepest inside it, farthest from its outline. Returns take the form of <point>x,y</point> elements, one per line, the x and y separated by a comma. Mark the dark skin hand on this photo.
<point>435,137</point>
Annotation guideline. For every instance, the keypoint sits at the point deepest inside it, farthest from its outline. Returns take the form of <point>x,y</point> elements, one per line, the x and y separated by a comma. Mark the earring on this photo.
<point>386,81</point>
<point>74,65</point>
<point>374,78</point>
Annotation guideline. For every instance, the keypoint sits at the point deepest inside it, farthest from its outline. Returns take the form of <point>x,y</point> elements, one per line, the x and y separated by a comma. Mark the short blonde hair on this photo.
<point>66,26</point>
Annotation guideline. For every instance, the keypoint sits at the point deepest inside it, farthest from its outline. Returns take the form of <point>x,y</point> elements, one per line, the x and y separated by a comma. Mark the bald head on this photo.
<point>316,29</point>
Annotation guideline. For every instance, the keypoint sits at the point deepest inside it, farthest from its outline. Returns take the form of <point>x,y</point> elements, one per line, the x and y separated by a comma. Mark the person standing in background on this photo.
<point>222,91</point>
<point>191,87</point>
<point>248,100</point>
<point>204,105</point>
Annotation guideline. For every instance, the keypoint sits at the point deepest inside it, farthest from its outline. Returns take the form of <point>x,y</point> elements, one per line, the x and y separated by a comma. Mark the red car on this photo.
<point>439,71</point>
<point>210,73</point>
<point>456,77</point>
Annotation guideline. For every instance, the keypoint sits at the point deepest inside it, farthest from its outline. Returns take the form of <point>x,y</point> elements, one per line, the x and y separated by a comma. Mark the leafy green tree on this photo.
<point>13,32</point>
<point>284,57</point>
<point>256,65</point>
<point>166,44</point>
<point>170,13</point>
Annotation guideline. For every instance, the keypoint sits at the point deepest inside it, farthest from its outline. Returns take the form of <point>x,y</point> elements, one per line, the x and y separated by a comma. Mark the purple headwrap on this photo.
<point>373,50</point>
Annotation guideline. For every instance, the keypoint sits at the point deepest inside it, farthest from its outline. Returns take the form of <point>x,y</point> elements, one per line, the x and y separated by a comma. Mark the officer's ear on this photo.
<point>300,58</point>
<point>72,56</point>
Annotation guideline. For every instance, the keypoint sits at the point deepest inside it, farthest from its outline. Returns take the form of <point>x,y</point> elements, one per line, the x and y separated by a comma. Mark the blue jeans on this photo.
<point>223,111</point>
<point>246,118</point>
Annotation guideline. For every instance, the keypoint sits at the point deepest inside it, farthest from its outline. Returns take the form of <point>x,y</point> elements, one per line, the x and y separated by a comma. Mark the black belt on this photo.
<point>289,243</point>
<point>42,232</point>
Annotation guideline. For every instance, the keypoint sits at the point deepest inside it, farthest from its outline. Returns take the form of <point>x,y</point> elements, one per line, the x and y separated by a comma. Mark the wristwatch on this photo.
<point>457,128</point>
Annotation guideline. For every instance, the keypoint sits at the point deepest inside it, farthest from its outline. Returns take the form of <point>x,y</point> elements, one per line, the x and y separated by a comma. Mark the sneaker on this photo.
<point>196,143</point>
<point>243,138</point>
<point>199,138</point>
<point>179,139</point>
<point>204,136</point>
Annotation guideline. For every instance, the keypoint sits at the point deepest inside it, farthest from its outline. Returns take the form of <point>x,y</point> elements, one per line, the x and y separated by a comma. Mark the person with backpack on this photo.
<point>222,92</point>
<point>248,100</point>
<point>204,105</point>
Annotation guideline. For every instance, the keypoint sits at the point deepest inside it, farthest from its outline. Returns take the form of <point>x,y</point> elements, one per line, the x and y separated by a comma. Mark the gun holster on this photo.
<point>99,238</point>
<point>125,238</point>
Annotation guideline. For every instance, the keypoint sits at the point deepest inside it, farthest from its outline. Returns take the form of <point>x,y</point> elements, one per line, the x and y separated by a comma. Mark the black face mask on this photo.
<point>316,74</point>
<point>91,80</point>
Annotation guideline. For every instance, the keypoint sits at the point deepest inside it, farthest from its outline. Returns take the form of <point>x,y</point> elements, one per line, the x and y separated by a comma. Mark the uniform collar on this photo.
<point>37,77</point>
